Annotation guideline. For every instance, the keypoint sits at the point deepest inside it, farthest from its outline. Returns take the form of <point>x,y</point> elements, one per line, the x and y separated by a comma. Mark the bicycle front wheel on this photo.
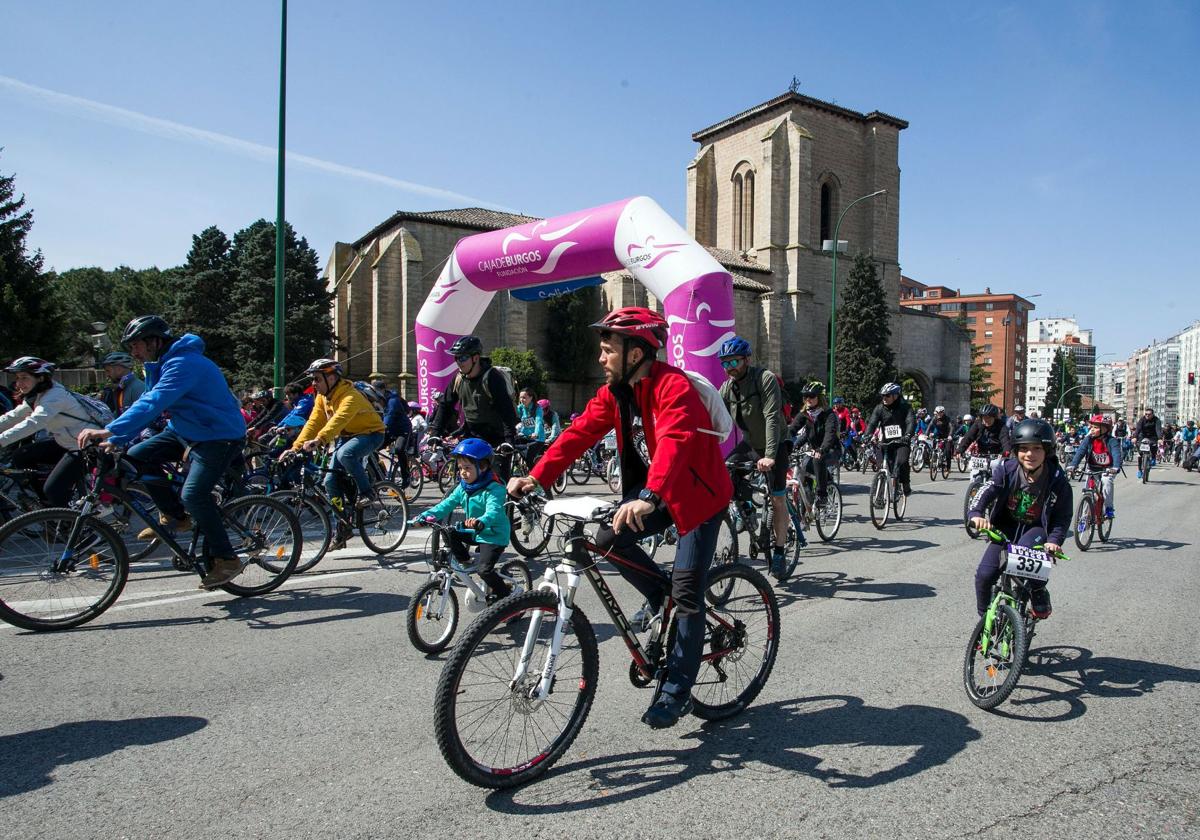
<point>1085,527</point>
<point>829,515</point>
<point>266,538</point>
<point>741,640</point>
<point>580,471</point>
<point>51,580</point>
<point>383,524</point>
<point>968,499</point>
<point>493,729</point>
<point>432,616</point>
<point>989,678</point>
<point>879,502</point>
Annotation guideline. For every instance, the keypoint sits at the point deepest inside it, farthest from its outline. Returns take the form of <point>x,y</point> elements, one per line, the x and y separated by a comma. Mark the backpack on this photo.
<point>721,419</point>
<point>783,398</point>
<point>97,412</point>
<point>368,391</point>
<point>505,373</point>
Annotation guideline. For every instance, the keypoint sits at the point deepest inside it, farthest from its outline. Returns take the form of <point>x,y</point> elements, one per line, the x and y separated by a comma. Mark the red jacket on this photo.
<point>687,470</point>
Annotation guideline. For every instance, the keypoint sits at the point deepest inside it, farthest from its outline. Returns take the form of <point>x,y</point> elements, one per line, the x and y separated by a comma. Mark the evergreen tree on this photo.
<point>865,360</point>
<point>250,325</point>
<point>28,311</point>
<point>87,295</point>
<point>1061,380</point>
<point>203,301</point>
<point>981,380</point>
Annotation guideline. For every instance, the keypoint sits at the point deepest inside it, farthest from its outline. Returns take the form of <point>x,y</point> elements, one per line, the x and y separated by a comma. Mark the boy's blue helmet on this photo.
<point>475,449</point>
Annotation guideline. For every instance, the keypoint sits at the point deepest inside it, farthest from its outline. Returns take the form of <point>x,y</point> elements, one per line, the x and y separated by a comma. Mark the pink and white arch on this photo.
<point>635,235</point>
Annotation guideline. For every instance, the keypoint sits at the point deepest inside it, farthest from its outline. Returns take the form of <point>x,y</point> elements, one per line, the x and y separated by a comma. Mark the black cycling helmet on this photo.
<point>813,389</point>
<point>324,366</point>
<point>118,358</point>
<point>989,410</point>
<point>468,345</point>
<point>32,365</point>
<point>1033,430</point>
<point>145,326</point>
<point>891,389</point>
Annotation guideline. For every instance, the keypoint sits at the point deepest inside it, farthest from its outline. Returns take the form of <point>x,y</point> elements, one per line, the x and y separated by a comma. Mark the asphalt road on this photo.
<point>306,713</point>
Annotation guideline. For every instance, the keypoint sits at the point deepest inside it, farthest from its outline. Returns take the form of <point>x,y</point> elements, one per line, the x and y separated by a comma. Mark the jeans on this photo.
<point>689,579</point>
<point>208,459</point>
<point>988,571</point>
<point>349,456</point>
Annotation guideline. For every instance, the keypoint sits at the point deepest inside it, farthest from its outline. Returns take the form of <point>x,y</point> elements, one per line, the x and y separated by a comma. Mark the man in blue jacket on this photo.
<point>206,425</point>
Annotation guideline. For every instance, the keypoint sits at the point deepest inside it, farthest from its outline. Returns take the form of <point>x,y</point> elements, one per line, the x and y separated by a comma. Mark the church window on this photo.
<point>743,208</point>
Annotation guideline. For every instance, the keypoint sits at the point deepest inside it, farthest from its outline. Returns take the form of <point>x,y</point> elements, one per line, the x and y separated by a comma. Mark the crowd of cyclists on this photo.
<point>669,428</point>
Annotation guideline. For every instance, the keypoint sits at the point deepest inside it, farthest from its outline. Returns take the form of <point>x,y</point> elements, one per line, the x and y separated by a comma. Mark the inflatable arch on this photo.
<point>558,255</point>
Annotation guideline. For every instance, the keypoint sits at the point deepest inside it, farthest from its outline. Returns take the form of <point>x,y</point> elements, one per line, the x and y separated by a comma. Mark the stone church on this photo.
<point>764,192</point>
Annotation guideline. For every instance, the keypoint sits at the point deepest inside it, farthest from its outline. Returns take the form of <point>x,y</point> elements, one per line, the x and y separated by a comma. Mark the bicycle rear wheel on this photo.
<point>530,528</point>
<point>416,483</point>
<point>990,679</point>
<point>33,596</point>
<point>383,524</point>
<point>316,528</point>
<point>829,515</point>
<point>580,471</point>
<point>492,731</point>
<point>1085,527</point>
<point>266,538</point>
<point>878,501</point>
<point>741,640</point>
<point>1103,526</point>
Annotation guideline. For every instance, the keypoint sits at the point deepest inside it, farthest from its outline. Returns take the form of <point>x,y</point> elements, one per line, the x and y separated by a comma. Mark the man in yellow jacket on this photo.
<point>343,414</point>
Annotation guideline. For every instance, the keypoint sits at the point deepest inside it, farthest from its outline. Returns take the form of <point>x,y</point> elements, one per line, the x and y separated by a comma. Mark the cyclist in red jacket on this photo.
<point>680,478</point>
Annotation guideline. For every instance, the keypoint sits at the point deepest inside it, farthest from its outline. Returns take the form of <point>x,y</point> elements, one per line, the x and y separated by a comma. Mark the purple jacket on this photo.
<point>1056,507</point>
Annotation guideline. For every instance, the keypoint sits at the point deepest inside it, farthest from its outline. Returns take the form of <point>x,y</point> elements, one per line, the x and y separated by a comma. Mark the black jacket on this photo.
<point>900,414</point>
<point>1151,428</point>
<point>993,441</point>
<point>1056,504</point>
<point>821,434</point>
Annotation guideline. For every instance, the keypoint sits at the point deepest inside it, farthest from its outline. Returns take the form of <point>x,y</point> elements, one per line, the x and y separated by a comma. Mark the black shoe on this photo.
<point>907,490</point>
<point>1039,604</point>
<point>666,711</point>
<point>643,618</point>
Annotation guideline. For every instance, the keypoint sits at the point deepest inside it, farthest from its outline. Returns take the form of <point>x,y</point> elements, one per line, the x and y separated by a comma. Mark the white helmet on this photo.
<point>967,418</point>
<point>941,409</point>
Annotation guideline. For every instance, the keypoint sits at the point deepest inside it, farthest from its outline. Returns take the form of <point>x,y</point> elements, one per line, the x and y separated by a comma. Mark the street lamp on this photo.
<point>1061,396</point>
<point>834,245</point>
<point>99,339</point>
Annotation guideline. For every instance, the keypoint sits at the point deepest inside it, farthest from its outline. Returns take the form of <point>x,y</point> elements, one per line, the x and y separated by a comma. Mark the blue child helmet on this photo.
<point>475,449</point>
<point>736,346</point>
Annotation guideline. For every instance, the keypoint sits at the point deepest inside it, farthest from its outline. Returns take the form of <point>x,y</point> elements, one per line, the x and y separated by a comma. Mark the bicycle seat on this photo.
<point>577,507</point>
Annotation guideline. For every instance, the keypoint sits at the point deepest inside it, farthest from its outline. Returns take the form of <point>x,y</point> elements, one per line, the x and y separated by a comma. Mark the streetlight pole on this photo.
<point>279,232</point>
<point>833,303</point>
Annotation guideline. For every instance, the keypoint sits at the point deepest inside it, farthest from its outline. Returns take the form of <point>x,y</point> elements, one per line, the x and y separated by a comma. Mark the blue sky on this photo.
<point>1049,147</point>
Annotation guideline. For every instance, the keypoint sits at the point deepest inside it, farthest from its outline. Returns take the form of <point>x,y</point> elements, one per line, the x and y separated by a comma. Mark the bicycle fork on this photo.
<point>565,610</point>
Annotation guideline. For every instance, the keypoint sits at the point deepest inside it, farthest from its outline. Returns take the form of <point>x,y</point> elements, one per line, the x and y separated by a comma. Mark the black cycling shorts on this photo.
<point>779,472</point>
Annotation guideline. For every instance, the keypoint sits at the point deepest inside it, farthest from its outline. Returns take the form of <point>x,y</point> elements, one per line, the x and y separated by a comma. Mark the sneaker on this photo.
<point>1039,604</point>
<point>777,562</point>
<point>1139,474</point>
<point>1109,513</point>
<point>364,502</point>
<point>907,489</point>
<point>220,571</point>
<point>666,711</point>
<point>175,525</point>
<point>643,618</point>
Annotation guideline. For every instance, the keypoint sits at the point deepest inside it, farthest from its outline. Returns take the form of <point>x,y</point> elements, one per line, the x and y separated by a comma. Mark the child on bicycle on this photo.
<point>481,496</point>
<point>1103,453</point>
<point>1032,506</point>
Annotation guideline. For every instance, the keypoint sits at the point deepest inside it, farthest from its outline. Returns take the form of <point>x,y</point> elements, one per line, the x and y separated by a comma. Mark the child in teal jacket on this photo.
<point>481,496</point>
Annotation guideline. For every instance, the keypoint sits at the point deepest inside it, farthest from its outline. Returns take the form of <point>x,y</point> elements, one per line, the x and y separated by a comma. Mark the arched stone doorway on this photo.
<point>918,389</point>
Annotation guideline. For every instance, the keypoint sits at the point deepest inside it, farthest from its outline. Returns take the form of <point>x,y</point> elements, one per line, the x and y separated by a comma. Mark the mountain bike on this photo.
<point>885,496</point>
<point>433,612</point>
<point>999,644</point>
<point>802,487</point>
<point>939,459</point>
<point>1090,519</point>
<point>593,462</point>
<point>519,685</point>
<point>1146,453</point>
<point>870,456</point>
<point>920,453</point>
<point>62,567</point>
<point>382,525</point>
<point>751,511</point>
<point>981,474</point>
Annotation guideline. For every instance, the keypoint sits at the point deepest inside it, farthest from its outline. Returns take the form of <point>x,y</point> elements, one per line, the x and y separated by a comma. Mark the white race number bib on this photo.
<point>1026,562</point>
<point>891,432</point>
<point>979,464</point>
<point>1144,446</point>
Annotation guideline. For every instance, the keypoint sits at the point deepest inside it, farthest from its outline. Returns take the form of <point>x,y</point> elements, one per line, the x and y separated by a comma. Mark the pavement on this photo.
<point>307,713</point>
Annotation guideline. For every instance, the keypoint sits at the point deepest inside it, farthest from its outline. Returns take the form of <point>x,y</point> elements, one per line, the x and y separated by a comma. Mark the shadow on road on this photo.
<point>806,735</point>
<point>1075,674</point>
<point>878,544</point>
<point>30,758</point>
<point>840,585</point>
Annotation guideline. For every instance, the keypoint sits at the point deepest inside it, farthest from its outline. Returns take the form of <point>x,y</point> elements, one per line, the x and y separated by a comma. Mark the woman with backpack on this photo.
<point>47,406</point>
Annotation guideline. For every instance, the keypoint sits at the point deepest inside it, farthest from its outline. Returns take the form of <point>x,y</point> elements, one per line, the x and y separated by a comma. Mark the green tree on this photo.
<point>203,302</point>
<point>865,359</point>
<point>981,380</point>
<point>527,371</point>
<point>29,313</point>
<point>1061,380</point>
<point>571,346</point>
<point>250,325</point>
<point>88,295</point>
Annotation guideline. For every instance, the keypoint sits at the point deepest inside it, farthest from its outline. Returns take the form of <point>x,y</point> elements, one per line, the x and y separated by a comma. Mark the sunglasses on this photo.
<point>730,364</point>
<point>462,359</point>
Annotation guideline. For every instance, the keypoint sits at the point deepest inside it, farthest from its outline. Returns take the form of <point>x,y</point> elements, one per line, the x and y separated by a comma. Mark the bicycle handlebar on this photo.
<point>1000,538</point>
